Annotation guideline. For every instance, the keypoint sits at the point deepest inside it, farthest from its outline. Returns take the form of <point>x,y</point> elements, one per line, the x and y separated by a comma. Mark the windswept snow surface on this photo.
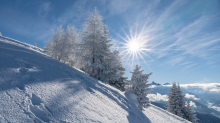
<point>35,88</point>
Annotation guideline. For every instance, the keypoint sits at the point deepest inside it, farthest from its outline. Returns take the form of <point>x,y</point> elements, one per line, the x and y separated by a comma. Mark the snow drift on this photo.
<point>35,88</point>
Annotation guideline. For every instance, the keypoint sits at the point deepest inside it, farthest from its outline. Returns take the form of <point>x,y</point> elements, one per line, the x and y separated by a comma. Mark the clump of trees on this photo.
<point>63,45</point>
<point>177,105</point>
<point>88,50</point>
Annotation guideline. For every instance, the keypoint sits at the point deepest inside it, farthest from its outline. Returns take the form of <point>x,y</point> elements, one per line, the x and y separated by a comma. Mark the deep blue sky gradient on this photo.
<point>182,37</point>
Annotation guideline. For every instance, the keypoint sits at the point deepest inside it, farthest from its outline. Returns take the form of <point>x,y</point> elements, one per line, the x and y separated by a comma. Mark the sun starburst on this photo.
<point>134,48</point>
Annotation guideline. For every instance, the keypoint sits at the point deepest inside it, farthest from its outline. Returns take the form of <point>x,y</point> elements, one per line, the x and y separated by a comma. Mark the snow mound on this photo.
<point>132,97</point>
<point>35,88</point>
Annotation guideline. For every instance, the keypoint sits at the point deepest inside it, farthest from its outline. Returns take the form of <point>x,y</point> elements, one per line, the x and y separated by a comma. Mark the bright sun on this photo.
<point>133,46</point>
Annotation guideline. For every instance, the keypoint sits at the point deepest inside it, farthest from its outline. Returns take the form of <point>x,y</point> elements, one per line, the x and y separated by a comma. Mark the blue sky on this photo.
<point>180,38</point>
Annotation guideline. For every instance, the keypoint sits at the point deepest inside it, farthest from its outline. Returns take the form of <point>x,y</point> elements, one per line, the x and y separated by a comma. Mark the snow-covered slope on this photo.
<point>35,88</point>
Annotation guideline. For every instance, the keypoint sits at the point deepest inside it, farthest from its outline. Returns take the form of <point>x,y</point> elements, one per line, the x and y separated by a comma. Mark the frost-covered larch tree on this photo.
<point>53,46</point>
<point>95,44</point>
<point>189,115</point>
<point>114,70</point>
<point>62,46</point>
<point>71,38</point>
<point>140,86</point>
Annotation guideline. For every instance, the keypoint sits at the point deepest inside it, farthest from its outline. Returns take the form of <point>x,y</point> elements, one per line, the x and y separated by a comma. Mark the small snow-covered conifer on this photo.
<point>176,104</point>
<point>0,34</point>
<point>35,44</point>
<point>189,115</point>
<point>180,101</point>
<point>140,86</point>
<point>173,101</point>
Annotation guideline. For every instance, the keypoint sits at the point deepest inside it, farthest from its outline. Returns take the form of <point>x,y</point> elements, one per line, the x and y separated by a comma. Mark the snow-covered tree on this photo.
<point>176,104</point>
<point>173,101</point>
<point>94,45</point>
<point>35,44</point>
<point>0,34</point>
<point>189,115</point>
<point>54,46</point>
<point>71,39</point>
<point>181,102</point>
<point>114,70</point>
<point>63,45</point>
<point>140,86</point>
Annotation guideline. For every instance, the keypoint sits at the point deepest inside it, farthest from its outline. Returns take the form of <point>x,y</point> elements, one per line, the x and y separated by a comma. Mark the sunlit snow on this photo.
<point>37,88</point>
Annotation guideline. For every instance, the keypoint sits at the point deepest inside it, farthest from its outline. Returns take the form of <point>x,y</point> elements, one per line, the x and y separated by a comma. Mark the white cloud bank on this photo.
<point>191,103</point>
<point>188,96</point>
<point>214,87</point>
<point>215,108</point>
<point>157,97</point>
<point>215,90</point>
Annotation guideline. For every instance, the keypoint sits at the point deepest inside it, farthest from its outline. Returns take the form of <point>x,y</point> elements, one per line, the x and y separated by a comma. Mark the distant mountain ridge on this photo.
<point>154,83</point>
<point>166,83</point>
<point>158,84</point>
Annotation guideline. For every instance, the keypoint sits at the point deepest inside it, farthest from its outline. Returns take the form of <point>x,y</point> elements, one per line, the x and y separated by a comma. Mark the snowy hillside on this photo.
<point>35,88</point>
